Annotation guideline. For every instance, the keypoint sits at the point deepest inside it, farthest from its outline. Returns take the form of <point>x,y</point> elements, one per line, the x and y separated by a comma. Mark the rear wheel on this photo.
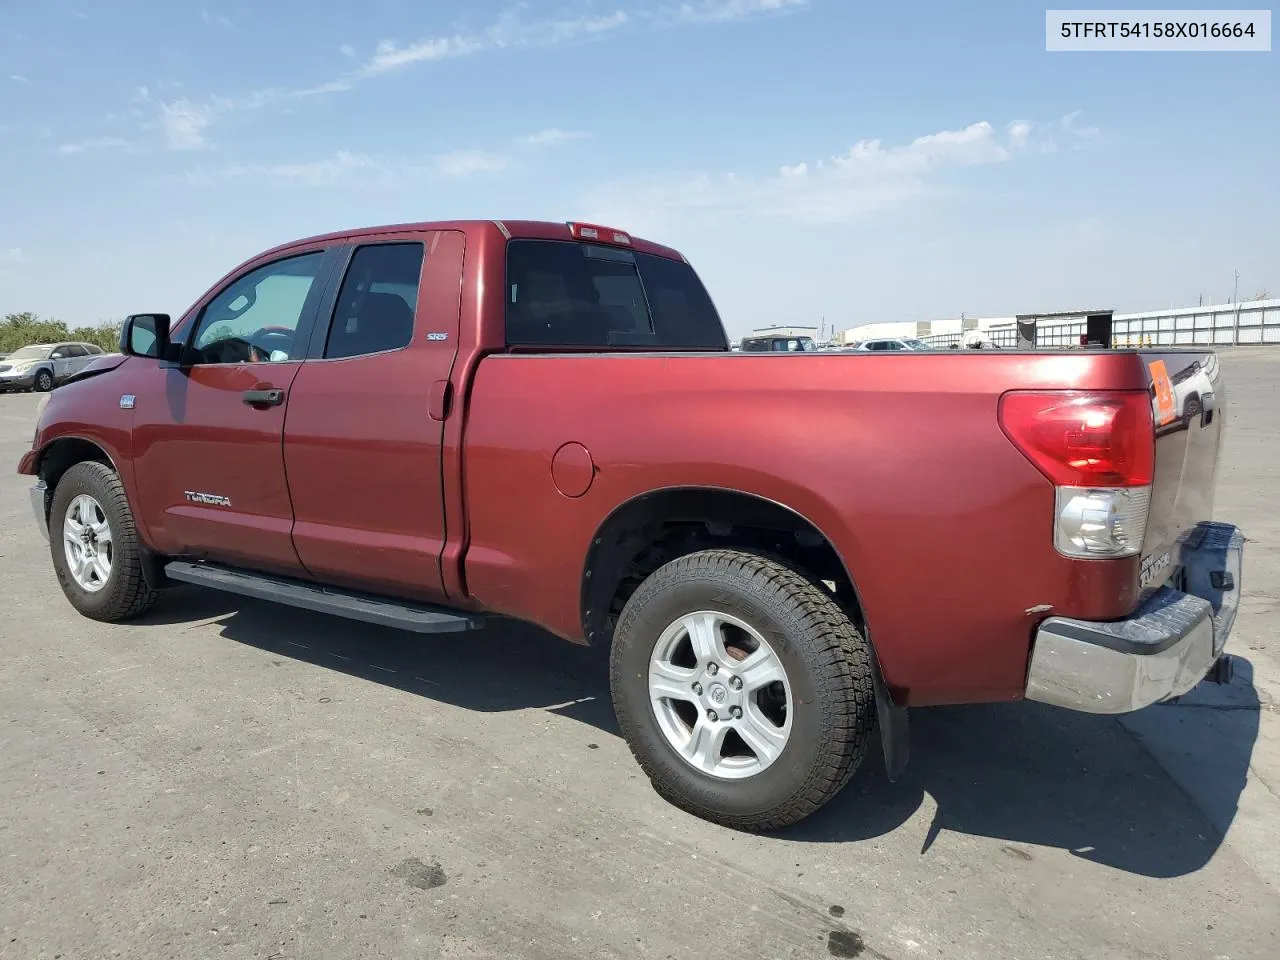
<point>743,690</point>
<point>94,544</point>
<point>44,381</point>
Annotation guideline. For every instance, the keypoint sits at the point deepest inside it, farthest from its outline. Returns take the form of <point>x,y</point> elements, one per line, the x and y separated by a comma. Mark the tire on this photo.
<point>123,593</point>
<point>828,681</point>
<point>44,381</point>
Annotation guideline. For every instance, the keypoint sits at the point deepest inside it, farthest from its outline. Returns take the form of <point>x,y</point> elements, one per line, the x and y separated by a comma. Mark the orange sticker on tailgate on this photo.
<point>1166,406</point>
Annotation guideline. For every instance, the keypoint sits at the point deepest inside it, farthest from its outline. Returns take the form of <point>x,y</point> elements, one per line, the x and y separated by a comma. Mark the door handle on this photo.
<point>266,398</point>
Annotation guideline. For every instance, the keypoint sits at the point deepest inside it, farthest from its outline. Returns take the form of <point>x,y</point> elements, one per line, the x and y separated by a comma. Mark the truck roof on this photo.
<point>511,229</point>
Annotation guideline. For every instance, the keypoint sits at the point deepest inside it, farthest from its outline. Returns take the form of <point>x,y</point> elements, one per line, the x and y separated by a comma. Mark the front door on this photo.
<point>62,361</point>
<point>362,441</point>
<point>208,430</point>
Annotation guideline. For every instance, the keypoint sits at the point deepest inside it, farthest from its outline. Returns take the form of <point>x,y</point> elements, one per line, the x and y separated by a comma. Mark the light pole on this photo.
<point>1235,298</point>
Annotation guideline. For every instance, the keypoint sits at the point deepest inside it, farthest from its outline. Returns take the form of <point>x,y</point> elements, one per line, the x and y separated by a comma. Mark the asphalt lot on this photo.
<point>233,780</point>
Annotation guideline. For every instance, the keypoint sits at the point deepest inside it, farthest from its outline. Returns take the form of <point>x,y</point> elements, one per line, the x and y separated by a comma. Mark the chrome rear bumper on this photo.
<point>1163,650</point>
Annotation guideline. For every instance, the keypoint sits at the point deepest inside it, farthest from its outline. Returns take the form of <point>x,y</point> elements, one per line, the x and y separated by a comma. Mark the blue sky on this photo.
<point>813,158</point>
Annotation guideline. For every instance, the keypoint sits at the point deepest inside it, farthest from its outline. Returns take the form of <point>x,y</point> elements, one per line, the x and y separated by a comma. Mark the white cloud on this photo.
<point>215,19</point>
<point>510,30</point>
<point>1067,125</point>
<point>467,163</point>
<point>551,137</point>
<point>12,255</point>
<point>868,177</point>
<point>1018,132</point>
<point>348,167</point>
<point>724,11</point>
<point>184,123</point>
<point>18,78</point>
<point>93,143</point>
<point>316,173</point>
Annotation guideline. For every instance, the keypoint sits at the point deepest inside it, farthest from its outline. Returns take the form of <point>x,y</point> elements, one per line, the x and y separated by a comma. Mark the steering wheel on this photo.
<point>267,340</point>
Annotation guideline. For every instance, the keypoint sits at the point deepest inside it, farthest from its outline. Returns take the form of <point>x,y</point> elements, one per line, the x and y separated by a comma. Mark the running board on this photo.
<point>420,618</point>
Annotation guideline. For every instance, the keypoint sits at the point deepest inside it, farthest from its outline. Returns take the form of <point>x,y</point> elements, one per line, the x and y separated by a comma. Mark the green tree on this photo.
<point>19,330</point>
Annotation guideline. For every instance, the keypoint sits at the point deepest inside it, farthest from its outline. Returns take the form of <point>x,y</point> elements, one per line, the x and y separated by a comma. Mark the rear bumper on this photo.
<point>1163,650</point>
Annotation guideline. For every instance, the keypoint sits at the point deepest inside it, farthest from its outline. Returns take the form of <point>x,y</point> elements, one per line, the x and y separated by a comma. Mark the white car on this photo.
<point>893,343</point>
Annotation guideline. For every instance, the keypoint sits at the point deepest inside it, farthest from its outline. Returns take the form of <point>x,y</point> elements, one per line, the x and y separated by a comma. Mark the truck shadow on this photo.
<point>1152,794</point>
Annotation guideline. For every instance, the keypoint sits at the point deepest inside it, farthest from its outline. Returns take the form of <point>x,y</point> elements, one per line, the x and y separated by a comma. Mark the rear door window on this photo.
<point>377,302</point>
<point>564,293</point>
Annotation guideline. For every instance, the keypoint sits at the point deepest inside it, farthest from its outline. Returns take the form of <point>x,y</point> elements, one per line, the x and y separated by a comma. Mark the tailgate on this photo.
<point>1189,410</point>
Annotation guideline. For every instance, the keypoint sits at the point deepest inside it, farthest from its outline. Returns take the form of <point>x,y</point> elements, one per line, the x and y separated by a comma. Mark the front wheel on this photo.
<point>743,690</point>
<point>96,553</point>
<point>44,381</point>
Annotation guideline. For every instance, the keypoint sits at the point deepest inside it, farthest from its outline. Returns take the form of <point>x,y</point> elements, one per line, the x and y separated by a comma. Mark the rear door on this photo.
<point>208,431</point>
<point>80,357</point>
<point>364,431</point>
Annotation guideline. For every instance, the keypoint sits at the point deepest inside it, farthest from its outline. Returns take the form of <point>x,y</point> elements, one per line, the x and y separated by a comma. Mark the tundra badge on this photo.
<point>212,499</point>
<point>1151,567</point>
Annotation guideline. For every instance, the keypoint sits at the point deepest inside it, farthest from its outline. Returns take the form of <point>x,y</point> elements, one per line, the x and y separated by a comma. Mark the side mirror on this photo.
<point>145,335</point>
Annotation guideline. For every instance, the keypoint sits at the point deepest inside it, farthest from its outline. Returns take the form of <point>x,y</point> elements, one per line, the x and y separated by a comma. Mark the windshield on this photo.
<point>586,295</point>
<point>806,343</point>
<point>916,344</point>
<point>36,352</point>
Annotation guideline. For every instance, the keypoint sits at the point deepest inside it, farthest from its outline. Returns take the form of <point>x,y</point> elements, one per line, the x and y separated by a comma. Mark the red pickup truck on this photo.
<point>427,424</point>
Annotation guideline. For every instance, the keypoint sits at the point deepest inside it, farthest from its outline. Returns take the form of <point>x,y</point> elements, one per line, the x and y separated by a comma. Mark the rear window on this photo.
<point>563,293</point>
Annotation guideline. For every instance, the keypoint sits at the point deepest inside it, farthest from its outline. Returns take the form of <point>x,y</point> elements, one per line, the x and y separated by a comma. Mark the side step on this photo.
<point>420,618</point>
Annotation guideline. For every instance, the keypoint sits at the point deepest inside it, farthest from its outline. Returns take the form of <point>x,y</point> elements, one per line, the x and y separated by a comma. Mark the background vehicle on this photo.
<point>777,345</point>
<point>892,343</point>
<point>42,366</point>
<point>529,421</point>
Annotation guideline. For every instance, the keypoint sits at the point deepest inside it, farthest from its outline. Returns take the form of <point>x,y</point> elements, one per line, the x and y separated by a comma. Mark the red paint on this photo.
<point>899,460</point>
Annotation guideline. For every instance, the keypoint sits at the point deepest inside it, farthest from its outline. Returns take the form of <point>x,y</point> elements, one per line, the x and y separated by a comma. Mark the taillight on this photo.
<point>1098,449</point>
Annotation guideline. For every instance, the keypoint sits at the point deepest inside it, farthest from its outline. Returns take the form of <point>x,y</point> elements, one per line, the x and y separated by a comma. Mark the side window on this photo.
<point>255,318</point>
<point>92,349</point>
<point>59,354</point>
<point>375,308</point>
<point>73,350</point>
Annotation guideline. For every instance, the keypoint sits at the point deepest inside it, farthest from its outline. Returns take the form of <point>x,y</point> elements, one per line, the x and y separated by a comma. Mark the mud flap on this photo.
<point>895,729</point>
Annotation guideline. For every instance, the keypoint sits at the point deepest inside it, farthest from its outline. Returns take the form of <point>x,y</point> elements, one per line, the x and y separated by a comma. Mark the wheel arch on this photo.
<point>668,522</point>
<point>61,454</point>
<point>648,530</point>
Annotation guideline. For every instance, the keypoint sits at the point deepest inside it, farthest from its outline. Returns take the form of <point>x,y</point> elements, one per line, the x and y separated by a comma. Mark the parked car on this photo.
<point>893,343</point>
<point>42,366</point>
<point>534,421</point>
<point>778,345</point>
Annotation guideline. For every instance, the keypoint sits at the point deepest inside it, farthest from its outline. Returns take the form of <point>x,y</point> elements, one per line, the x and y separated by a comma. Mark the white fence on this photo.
<point>1233,324</point>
